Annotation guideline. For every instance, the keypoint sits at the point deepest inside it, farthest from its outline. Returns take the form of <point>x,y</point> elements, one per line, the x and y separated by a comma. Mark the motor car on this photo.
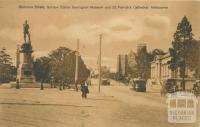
<point>105,82</point>
<point>170,86</point>
<point>139,85</point>
<point>196,88</point>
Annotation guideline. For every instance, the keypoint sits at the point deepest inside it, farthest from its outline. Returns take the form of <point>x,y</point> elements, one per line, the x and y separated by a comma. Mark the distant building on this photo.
<point>140,46</point>
<point>122,64</point>
<point>126,64</point>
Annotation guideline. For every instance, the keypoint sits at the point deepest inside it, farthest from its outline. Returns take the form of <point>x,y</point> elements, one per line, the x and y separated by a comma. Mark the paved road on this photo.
<point>115,106</point>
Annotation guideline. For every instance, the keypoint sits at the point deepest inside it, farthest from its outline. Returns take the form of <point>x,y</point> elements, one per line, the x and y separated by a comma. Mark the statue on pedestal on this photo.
<point>25,70</point>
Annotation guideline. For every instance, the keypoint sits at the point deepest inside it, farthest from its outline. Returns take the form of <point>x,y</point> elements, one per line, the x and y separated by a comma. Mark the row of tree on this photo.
<point>60,65</point>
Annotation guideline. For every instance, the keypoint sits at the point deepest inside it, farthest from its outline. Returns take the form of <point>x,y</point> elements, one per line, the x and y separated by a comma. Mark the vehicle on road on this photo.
<point>170,86</point>
<point>105,81</point>
<point>139,85</point>
<point>196,88</point>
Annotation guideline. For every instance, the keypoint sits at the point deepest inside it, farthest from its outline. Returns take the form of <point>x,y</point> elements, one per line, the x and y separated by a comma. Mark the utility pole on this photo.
<point>100,62</point>
<point>76,69</point>
<point>17,65</point>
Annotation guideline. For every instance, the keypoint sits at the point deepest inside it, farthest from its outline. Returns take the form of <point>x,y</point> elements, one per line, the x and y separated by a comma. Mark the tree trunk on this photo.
<point>183,78</point>
<point>60,85</point>
<point>76,86</point>
<point>51,84</point>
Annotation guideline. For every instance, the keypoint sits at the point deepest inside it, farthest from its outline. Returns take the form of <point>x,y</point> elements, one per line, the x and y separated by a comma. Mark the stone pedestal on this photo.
<point>26,73</point>
<point>25,70</point>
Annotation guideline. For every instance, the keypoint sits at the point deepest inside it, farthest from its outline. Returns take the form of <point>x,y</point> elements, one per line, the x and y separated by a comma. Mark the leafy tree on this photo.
<point>193,62</point>
<point>132,69</point>
<point>7,71</point>
<point>143,63</point>
<point>42,69</point>
<point>182,46</point>
<point>63,65</point>
<point>154,53</point>
<point>173,62</point>
<point>5,57</point>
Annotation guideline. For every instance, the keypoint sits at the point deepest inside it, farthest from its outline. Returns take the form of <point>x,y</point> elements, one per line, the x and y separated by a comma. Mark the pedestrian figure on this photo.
<point>17,84</point>
<point>52,81</point>
<point>41,86</point>
<point>60,85</point>
<point>176,88</point>
<point>84,89</point>
<point>63,84</point>
<point>196,89</point>
<point>163,90</point>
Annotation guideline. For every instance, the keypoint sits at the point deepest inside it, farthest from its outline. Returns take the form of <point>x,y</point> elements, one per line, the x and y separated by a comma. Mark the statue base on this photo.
<point>26,73</point>
<point>25,70</point>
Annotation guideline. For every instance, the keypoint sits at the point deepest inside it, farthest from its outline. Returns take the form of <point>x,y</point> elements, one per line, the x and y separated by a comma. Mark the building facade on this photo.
<point>160,71</point>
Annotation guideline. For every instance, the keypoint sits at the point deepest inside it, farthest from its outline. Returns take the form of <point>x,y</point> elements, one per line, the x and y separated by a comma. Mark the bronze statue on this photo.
<point>26,32</point>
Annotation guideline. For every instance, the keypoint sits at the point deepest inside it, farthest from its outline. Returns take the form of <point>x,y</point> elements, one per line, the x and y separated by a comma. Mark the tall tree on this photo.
<point>5,57</point>
<point>182,44</point>
<point>42,69</point>
<point>194,61</point>
<point>6,68</point>
<point>143,64</point>
<point>132,68</point>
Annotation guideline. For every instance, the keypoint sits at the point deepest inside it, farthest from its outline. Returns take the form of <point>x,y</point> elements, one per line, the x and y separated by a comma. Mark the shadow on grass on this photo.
<point>33,104</point>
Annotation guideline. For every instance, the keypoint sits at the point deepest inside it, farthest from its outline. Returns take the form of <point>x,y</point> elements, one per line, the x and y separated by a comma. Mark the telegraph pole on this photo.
<point>17,65</point>
<point>76,69</point>
<point>100,61</point>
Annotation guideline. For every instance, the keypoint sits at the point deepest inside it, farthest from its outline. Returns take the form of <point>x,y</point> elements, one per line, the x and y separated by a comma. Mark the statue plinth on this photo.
<point>25,70</point>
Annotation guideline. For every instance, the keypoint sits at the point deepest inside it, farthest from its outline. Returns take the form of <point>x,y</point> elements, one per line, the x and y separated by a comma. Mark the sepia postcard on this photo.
<point>99,63</point>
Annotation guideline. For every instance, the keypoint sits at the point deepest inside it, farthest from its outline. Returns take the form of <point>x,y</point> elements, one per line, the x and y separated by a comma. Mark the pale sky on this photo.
<point>122,29</point>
